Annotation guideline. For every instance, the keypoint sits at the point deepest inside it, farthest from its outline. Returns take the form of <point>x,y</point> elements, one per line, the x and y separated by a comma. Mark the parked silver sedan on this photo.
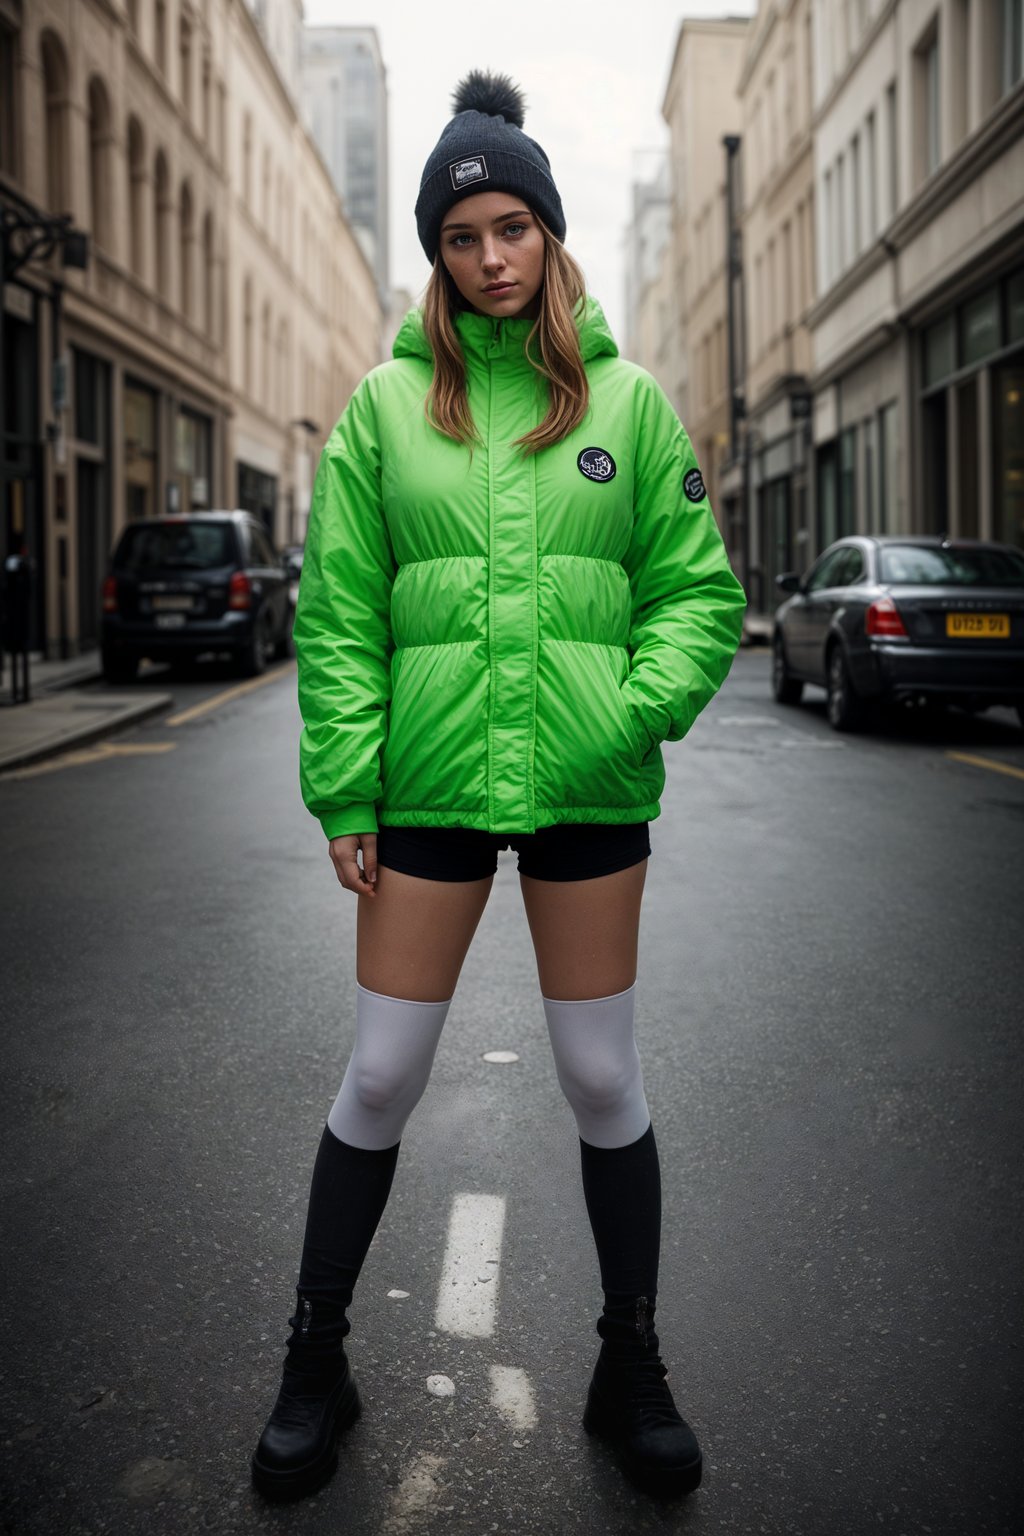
<point>880,619</point>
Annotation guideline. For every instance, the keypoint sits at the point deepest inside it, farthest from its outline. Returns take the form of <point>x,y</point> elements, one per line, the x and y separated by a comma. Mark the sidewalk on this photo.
<point>63,714</point>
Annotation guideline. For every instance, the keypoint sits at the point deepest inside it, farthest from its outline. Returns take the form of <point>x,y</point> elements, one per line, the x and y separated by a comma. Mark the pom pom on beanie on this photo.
<point>484,149</point>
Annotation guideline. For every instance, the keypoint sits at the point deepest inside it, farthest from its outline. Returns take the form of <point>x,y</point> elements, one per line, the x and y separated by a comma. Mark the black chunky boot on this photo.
<point>298,1449</point>
<point>630,1406</point>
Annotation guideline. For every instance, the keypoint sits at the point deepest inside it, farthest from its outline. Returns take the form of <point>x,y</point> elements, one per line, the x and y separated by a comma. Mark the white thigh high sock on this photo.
<point>388,1069</point>
<point>599,1067</point>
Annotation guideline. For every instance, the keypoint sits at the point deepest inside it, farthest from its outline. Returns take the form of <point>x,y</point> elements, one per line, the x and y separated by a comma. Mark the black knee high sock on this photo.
<point>622,1188</point>
<point>347,1196</point>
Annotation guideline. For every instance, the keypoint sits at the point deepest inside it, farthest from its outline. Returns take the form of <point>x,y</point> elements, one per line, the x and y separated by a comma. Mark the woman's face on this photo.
<point>493,248</point>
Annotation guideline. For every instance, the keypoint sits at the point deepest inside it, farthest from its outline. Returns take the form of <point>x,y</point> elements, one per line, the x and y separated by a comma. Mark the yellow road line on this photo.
<point>986,762</point>
<point>84,755</point>
<point>230,693</point>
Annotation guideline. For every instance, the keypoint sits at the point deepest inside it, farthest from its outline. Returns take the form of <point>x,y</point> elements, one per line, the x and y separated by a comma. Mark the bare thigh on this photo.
<point>412,938</point>
<point>585,932</point>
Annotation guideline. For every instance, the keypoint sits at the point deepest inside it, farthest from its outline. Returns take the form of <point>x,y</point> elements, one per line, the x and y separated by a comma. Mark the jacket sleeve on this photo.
<point>343,628</point>
<point>687,606</point>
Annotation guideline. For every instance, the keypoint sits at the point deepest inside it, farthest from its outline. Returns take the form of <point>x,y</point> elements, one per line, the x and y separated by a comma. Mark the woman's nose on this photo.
<point>491,258</point>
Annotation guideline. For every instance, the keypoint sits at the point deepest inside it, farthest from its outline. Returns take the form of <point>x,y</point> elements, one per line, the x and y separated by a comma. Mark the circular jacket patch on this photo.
<point>596,464</point>
<point>693,485</point>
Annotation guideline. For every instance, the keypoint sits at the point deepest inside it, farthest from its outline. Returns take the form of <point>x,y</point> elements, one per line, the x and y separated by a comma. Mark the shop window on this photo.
<point>192,437</point>
<point>1008,479</point>
<point>889,520</point>
<point>140,463</point>
<point>979,327</point>
<point>828,500</point>
<point>92,389</point>
<point>847,481</point>
<point>939,351</point>
<point>1015,306</point>
<point>935,433</point>
<point>965,513</point>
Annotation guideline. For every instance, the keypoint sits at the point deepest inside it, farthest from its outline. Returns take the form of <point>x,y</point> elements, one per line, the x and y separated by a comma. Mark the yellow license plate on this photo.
<point>978,626</point>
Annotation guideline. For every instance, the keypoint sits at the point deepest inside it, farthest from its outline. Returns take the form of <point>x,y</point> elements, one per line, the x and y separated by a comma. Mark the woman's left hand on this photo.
<point>344,856</point>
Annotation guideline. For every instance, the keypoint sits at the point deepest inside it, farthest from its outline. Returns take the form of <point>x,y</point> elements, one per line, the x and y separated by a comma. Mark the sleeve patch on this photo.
<point>693,485</point>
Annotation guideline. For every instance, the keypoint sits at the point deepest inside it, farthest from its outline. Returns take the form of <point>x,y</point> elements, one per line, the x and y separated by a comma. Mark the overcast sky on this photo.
<point>594,76</point>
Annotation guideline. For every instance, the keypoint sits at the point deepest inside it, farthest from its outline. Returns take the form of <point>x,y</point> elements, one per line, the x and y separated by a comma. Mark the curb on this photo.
<point>85,735</point>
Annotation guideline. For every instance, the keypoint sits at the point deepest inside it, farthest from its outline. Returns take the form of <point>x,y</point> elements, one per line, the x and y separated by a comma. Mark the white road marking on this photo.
<point>500,1058</point>
<point>440,1386</point>
<point>512,1396</point>
<point>744,720</point>
<point>397,1295</point>
<point>414,1501</point>
<point>467,1296</point>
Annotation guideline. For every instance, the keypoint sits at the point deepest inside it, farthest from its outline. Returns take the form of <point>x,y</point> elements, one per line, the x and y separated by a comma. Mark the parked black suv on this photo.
<point>203,582</point>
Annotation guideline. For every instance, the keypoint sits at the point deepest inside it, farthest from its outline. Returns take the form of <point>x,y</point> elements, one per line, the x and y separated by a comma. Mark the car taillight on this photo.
<point>240,591</point>
<point>883,618</point>
<point>110,595</point>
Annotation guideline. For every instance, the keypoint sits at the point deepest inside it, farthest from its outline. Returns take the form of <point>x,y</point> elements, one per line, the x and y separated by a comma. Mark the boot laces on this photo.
<point>649,1395</point>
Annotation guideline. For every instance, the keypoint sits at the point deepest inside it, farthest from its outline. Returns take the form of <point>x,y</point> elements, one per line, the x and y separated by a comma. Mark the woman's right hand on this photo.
<point>344,850</point>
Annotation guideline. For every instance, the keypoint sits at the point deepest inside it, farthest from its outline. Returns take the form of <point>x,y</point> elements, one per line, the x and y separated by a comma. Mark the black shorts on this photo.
<point>571,851</point>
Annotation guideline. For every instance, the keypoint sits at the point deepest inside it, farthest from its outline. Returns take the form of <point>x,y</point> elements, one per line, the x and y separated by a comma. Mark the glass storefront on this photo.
<point>257,492</point>
<point>140,457</point>
<point>972,357</point>
<point>92,487</point>
<point>193,437</point>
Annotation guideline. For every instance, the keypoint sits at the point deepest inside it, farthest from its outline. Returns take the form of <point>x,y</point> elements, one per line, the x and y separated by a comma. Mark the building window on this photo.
<point>99,156</point>
<point>1015,306</point>
<point>927,124</point>
<point>185,53</point>
<point>841,221</point>
<point>8,100</point>
<point>871,156</point>
<point>856,236</point>
<point>892,134</point>
<point>162,224</point>
<point>209,279</point>
<point>55,89</point>
<point>1013,43</point>
<point>185,244</point>
<point>827,254</point>
<point>136,196</point>
<point>160,49</point>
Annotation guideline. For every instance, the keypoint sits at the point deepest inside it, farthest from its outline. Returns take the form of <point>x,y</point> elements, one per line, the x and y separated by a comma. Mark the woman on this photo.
<point>514,590</point>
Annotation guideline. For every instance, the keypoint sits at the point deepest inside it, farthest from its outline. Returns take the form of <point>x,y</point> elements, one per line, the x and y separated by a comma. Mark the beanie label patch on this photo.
<point>596,464</point>
<point>464,171</point>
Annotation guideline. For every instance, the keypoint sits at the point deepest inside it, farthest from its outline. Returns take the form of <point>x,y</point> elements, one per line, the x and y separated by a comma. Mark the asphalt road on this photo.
<point>829,1010</point>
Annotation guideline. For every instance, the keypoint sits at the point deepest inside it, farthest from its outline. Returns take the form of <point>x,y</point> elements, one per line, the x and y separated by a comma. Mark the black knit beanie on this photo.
<point>483,149</point>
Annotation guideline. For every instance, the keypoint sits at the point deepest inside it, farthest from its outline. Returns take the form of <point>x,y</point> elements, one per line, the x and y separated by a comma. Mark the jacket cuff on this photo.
<point>350,818</point>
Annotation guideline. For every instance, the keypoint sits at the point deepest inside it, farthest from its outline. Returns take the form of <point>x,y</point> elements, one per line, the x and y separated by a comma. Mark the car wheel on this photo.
<point>119,666</point>
<point>845,709</point>
<point>786,688</point>
<point>253,658</point>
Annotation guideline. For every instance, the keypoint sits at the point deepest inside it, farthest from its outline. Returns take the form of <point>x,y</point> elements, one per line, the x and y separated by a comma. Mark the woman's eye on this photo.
<point>514,229</point>
<point>458,239</point>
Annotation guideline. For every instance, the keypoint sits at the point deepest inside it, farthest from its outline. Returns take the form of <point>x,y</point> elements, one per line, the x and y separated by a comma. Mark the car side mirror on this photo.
<point>789,581</point>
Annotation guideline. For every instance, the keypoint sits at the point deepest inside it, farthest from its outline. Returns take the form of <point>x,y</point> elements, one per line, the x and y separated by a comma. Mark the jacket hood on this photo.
<point>477,331</point>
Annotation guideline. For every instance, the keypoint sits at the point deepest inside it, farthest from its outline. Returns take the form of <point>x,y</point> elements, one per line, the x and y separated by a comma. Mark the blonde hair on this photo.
<point>552,348</point>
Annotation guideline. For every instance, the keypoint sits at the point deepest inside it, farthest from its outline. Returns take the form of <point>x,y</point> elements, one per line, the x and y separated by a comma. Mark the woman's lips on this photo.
<point>499,288</point>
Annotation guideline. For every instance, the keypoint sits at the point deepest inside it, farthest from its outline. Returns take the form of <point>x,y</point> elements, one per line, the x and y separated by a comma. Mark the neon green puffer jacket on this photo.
<point>497,641</point>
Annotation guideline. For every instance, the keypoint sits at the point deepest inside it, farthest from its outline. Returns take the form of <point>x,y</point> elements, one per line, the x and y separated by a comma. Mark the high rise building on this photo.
<point>345,98</point>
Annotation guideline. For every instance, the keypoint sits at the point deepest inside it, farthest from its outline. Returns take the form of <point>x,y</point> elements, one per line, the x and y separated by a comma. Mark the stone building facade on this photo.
<point>226,310</point>
<point>701,107</point>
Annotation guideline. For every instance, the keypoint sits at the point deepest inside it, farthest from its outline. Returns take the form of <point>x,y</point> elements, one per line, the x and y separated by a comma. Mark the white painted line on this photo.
<point>440,1386</point>
<point>414,1501</point>
<point>500,1058</point>
<point>467,1295</point>
<point>512,1396</point>
<point>397,1295</point>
